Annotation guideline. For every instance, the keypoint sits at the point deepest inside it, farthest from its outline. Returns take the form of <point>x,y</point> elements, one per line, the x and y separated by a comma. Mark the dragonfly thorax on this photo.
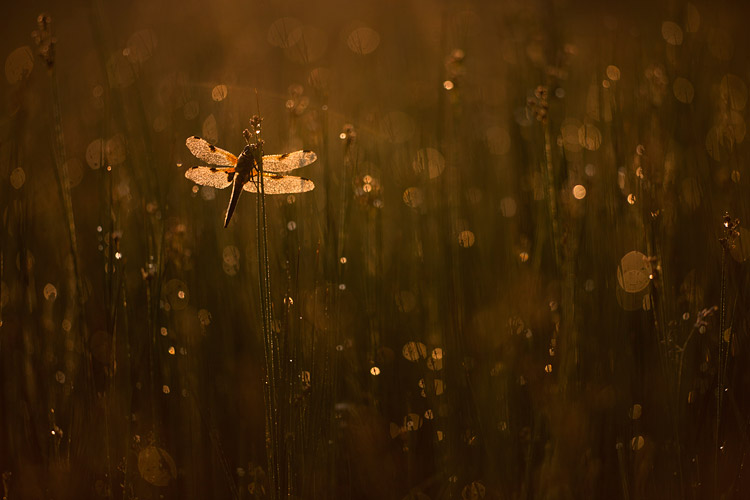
<point>246,165</point>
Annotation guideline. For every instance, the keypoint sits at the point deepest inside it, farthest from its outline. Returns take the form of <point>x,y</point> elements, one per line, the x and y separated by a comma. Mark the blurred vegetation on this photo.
<point>522,273</point>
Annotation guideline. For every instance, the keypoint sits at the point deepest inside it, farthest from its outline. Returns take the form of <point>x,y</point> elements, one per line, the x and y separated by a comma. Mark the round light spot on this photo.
<point>692,18</point>
<point>115,150</point>
<point>284,32</point>
<point>397,127</point>
<point>637,443</point>
<point>508,206</point>
<point>160,123</point>
<point>406,301</point>
<point>613,72</point>
<point>466,239</point>
<point>579,192</point>
<point>141,46</point>
<point>210,129</point>
<point>635,411</point>
<point>74,166</point>
<point>50,292</point>
<point>155,465</point>
<point>633,274</point>
<point>219,93</point>
<point>95,153</point>
<point>412,422</point>
<point>120,70</point>
<point>204,317</point>
<point>431,160</point>
<point>17,178</point>
<point>413,197</point>
<point>733,91</point>
<point>448,85</point>
<point>190,110</point>
<point>414,351</point>
<point>18,64</point>
<point>631,199</point>
<point>231,260</point>
<point>363,40</point>
<point>434,364</point>
<point>473,491</point>
<point>312,45</point>
<point>589,137</point>
<point>291,225</point>
<point>671,32</point>
<point>498,140</point>
<point>683,90</point>
<point>375,371</point>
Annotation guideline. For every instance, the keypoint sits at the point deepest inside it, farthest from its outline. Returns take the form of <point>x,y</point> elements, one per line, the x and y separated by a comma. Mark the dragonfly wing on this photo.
<point>209,153</point>
<point>211,176</point>
<point>280,184</point>
<point>288,161</point>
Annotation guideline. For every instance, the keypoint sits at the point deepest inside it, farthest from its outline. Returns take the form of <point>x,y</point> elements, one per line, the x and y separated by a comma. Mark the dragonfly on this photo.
<point>242,172</point>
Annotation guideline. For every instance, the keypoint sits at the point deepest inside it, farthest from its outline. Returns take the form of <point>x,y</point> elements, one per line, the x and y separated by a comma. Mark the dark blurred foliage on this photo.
<point>522,273</point>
